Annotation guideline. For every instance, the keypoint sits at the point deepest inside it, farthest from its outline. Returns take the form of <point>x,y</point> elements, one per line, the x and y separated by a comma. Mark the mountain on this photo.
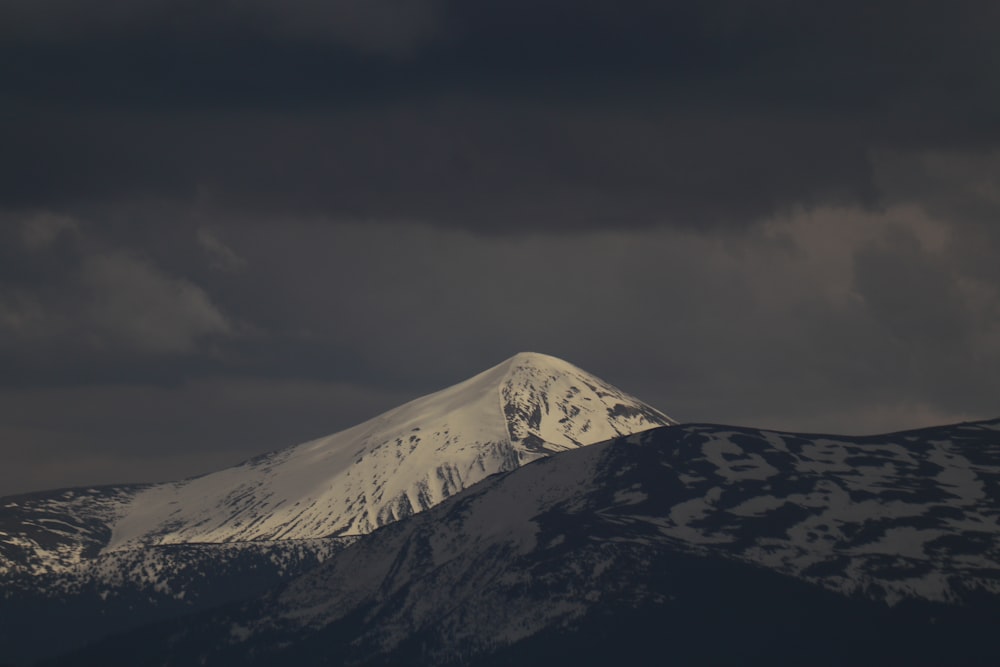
<point>691,545</point>
<point>133,552</point>
<point>348,483</point>
<point>394,465</point>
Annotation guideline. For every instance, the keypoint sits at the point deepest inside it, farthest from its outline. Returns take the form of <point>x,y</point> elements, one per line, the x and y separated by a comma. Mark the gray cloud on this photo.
<point>245,225</point>
<point>500,117</point>
<point>222,257</point>
<point>379,27</point>
<point>914,295</point>
<point>489,165</point>
<point>134,304</point>
<point>41,230</point>
<point>107,302</point>
<point>134,433</point>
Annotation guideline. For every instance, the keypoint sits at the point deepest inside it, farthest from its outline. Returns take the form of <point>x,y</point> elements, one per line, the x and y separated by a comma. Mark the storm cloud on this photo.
<point>498,116</point>
<point>230,226</point>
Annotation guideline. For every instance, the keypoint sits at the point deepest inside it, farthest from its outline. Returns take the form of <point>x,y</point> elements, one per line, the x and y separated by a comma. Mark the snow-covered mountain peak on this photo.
<point>551,405</point>
<point>398,463</point>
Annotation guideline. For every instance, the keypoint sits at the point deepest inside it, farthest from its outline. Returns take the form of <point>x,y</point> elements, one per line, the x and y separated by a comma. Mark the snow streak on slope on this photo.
<point>394,465</point>
<point>57,530</point>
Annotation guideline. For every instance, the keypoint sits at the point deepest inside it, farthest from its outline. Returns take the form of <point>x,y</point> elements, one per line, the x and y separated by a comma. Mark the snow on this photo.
<point>904,541</point>
<point>758,506</point>
<point>957,474</point>
<point>573,408</point>
<point>735,464</point>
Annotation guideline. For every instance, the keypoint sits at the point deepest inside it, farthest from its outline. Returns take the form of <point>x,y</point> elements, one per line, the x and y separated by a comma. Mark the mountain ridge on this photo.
<point>841,538</point>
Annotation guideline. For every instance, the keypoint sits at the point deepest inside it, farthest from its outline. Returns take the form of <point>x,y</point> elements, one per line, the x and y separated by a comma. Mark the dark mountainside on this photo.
<point>54,613</point>
<point>692,545</point>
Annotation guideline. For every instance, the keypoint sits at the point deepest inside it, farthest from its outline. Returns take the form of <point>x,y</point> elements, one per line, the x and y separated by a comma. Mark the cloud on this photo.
<point>392,28</point>
<point>780,214</point>
<point>20,313</point>
<point>496,166</point>
<point>133,303</point>
<point>106,299</point>
<point>65,436</point>
<point>496,117</point>
<point>382,27</point>
<point>222,256</point>
<point>42,229</point>
<point>912,292</point>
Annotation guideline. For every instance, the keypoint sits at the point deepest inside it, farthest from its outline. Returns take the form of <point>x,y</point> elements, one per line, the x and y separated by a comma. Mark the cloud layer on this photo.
<point>247,223</point>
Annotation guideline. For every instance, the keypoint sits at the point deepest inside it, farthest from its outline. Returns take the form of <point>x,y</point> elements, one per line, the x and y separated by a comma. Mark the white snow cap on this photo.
<point>403,461</point>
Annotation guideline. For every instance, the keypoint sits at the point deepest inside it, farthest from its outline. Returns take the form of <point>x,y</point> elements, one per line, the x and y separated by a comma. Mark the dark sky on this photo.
<point>227,227</point>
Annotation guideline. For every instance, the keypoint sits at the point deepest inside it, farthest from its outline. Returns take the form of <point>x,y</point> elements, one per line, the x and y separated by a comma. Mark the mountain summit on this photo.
<point>399,463</point>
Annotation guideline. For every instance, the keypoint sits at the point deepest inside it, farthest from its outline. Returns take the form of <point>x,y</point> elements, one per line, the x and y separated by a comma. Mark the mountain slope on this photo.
<point>888,545</point>
<point>394,465</point>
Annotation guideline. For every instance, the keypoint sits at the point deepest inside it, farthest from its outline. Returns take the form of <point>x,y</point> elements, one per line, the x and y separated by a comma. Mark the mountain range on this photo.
<point>532,513</point>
